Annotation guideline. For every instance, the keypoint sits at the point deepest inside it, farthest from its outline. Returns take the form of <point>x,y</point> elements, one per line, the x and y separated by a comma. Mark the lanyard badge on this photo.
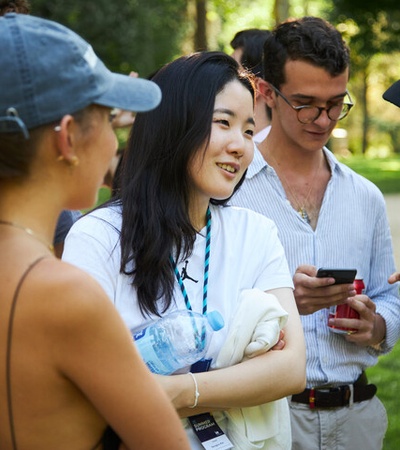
<point>209,433</point>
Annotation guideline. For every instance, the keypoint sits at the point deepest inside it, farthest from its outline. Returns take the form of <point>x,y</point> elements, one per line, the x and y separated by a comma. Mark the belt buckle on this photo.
<point>344,393</point>
<point>311,399</point>
<point>348,390</point>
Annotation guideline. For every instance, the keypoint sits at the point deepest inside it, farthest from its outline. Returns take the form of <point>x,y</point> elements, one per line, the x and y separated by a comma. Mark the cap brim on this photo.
<point>130,94</point>
<point>392,94</point>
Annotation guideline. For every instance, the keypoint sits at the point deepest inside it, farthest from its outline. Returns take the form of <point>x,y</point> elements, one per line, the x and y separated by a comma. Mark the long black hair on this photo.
<point>155,181</point>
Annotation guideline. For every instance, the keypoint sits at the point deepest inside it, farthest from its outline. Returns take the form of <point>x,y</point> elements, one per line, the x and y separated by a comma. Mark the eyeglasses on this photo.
<point>309,113</point>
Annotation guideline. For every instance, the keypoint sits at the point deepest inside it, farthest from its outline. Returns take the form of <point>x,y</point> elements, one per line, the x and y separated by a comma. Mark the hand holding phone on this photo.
<point>341,276</point>
<point>343,311</point>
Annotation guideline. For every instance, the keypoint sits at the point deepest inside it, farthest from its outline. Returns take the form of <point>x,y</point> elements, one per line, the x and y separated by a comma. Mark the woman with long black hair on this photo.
<point>169,242</point>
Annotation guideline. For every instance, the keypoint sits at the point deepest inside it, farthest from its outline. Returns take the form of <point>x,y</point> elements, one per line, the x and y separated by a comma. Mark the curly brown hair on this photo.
<point>17,6</point>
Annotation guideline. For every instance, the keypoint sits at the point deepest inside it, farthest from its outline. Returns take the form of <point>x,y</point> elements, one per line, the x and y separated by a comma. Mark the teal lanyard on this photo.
<point>206,267</point>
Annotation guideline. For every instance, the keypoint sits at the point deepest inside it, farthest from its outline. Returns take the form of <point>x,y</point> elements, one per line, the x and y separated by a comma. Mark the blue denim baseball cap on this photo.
<point>392,94</point>
<point>47,71</point>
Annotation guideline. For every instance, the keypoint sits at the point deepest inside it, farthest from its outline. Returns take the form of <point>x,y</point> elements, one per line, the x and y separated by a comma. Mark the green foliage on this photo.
<point>356,7</point>
<point>139,35</point>
<point>237,15</point>
<point>385,376</point>
<point>371,29</point>
<point>369,26</point>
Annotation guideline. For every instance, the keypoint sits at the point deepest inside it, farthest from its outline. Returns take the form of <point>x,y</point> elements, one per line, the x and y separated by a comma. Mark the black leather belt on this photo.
<point>336,397</point>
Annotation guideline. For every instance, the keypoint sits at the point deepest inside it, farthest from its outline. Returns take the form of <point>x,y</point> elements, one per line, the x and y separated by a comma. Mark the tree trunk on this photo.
<point>281,10</point>
<point>365,112</point>
<point>200,38</point>
<point>305,7</point>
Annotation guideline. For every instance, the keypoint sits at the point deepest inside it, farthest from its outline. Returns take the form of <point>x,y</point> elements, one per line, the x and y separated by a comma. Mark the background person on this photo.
<point>327,216</point>
<point>392,95</point>
<point>17,6</point>
<point>170,243</point>
<point>70,368</point>
<point>248,52</point>
<point>65,221</point>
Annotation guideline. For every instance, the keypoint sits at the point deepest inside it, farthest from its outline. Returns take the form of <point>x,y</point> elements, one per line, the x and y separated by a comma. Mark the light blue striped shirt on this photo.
<point>352,231</point>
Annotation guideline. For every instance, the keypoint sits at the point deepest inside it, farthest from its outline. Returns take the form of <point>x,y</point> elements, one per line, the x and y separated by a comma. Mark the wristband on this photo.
<point>196,391</point>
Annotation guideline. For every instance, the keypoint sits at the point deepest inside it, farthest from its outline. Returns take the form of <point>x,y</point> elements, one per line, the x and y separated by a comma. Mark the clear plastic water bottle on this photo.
<point>177,340</point>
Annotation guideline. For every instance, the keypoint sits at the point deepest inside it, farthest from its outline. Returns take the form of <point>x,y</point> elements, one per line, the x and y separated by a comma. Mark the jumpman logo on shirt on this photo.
<point>184,274</point>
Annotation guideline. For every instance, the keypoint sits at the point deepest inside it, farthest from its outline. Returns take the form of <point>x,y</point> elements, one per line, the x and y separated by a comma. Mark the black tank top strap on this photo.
<point>8,349</point>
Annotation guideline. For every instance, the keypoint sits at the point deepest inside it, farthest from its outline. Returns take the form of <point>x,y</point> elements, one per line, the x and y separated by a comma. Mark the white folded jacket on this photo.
<point>253,331</point>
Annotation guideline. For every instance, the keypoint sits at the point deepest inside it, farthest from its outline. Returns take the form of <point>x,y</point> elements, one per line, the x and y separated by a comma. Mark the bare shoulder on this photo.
<point>66,279</point>
<point>63,293</point>
<point>71,310</point>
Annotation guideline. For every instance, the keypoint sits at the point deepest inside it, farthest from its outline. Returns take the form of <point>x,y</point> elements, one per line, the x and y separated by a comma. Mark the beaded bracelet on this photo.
<point>196,391</point>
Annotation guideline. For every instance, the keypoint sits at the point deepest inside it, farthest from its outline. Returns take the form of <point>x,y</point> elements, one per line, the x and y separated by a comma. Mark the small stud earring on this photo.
<point>74,161</point>
<point>60,158</point>
<point>57,128</point>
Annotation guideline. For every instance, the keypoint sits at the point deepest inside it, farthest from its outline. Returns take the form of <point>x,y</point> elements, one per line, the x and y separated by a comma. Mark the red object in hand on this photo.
<point>344,311</point>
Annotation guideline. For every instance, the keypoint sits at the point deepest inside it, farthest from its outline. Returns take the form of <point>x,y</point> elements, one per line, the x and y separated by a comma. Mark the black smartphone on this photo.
<point>341,276</point>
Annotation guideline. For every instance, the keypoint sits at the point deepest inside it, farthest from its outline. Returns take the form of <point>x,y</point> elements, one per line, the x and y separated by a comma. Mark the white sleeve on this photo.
<point>268,253</point>
<point>92,244</point>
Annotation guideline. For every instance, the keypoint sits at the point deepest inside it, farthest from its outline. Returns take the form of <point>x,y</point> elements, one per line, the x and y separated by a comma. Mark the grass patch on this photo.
<point>385,376</point>
<point>384,172</point>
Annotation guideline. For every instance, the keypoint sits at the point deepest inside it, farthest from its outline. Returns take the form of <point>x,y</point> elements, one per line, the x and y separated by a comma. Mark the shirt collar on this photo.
<point>258,163</point>
<point>334,164</point>
<point>262,134</point>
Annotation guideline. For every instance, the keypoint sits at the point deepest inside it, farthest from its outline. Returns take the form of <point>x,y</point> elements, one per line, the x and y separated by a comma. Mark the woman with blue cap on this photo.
<point>71,377</point>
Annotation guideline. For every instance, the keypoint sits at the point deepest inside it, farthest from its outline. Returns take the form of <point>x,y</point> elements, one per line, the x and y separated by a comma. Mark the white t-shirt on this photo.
<point>245,253</point>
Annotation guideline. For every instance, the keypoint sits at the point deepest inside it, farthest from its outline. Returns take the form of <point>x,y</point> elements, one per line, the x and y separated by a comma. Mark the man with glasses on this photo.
<point>327,216</point>
<point>310,113</point>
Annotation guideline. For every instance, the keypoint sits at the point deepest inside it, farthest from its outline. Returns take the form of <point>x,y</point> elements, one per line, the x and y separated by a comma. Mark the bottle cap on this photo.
<point>215,320</point>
